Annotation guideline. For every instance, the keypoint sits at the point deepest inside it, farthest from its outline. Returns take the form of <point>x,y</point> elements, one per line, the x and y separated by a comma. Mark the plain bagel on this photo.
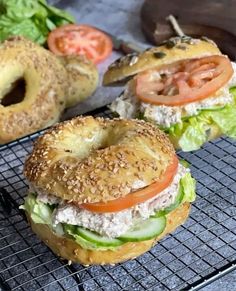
<point>81,155</point>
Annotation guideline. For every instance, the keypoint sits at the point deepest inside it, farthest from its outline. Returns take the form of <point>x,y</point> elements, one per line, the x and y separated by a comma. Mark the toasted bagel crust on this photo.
<point>68,249</point>
<point>82,78</point>
<point>175,50</point>
<point>91,159</point>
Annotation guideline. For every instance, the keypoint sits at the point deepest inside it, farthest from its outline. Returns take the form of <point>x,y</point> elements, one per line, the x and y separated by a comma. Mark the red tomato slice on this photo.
<point>138,196</point>
<point>190,81</point>
<point>82,40</point>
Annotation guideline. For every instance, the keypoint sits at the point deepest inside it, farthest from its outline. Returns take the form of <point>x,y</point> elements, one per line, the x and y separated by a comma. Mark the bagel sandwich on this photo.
<point>104,191</point>
<point>185,86</point>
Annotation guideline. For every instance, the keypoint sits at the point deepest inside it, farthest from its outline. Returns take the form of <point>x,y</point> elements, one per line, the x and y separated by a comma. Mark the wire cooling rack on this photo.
<point>200,251</point>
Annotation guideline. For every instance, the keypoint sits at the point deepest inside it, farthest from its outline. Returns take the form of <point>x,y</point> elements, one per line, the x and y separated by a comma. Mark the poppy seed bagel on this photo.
<point>173,50</point>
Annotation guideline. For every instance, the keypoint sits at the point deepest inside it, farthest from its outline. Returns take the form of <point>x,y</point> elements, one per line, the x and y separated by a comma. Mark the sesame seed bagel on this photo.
<point>68,249</point>
<point>82,77</point>
<point>44,76</point>
<point>91,159</point>
<point>175,49</point>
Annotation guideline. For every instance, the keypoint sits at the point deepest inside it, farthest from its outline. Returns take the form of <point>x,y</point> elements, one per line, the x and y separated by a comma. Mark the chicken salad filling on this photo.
<point>112,224</point>
<point>67,218</point>
<point>115,224</point>
<point>191,125</point>
<point>128,106</point>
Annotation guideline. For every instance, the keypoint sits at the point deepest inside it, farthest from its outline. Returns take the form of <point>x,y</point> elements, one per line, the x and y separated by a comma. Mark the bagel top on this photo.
<point>89,160</point>
<point>173,50</point>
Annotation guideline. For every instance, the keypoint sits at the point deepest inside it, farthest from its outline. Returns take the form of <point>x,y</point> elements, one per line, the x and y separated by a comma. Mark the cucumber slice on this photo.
<point>98,239</point>
<point>216,108</point>
<point>149,229</point>
<point>177,202</point>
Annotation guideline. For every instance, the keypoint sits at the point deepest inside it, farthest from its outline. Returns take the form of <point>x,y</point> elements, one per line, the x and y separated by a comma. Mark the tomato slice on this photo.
<point>136,197</point>
<point>80,39</point>
<point>185,82</point>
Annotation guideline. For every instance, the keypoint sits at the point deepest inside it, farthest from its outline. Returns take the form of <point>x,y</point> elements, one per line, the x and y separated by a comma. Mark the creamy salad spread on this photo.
<point>112,224</point>
<point>128,106</point>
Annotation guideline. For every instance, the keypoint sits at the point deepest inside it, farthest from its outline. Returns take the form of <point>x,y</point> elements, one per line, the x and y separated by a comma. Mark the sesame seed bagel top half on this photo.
<point>92,160</point>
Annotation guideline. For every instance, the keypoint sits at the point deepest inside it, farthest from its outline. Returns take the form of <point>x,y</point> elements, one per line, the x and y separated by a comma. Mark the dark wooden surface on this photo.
<point>212,18</point>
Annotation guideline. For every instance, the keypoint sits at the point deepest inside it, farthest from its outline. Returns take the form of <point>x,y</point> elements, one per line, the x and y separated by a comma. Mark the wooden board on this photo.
<point>212,18</point>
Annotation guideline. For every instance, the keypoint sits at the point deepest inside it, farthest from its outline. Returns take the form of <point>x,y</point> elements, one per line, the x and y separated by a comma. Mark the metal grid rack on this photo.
<point>198,252</point>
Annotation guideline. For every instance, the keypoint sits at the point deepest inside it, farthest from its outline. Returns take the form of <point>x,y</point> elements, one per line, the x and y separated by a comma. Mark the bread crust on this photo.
<point>91,159</point>
<point>68,249</point>
<point>45,88</point>
<point>178,49</point>
<point>82,78</point>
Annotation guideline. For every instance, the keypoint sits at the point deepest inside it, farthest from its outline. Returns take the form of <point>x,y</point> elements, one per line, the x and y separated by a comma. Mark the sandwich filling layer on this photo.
<point>113,224</point>
<point>189,125</point>
<point>109,230</point>
<point>128,105</point>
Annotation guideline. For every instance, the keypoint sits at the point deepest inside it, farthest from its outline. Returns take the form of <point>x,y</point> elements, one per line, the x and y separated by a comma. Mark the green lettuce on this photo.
<point>40,212</point>
<point>33,19</point>
<point>188,187</point>
<point>193,132</point>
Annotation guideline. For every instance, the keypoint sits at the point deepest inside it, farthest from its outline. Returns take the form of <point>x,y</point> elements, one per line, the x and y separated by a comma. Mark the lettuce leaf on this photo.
<point>28,27</point>
<point>59,16</point>
<point>225,120</point>
<point>40,212</point>
<point>33,19</point>
<point>193,132</point>
<point>188,187</point>
<point>20,9</point>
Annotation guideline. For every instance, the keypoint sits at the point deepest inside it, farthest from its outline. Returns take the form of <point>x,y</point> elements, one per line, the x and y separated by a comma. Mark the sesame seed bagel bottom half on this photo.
<point>68,249</point>
<point>88,160</point>
<point>174,50</point>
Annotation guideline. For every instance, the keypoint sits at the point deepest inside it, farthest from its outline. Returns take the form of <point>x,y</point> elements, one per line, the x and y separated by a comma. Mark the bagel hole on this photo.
<point>15,94</point>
